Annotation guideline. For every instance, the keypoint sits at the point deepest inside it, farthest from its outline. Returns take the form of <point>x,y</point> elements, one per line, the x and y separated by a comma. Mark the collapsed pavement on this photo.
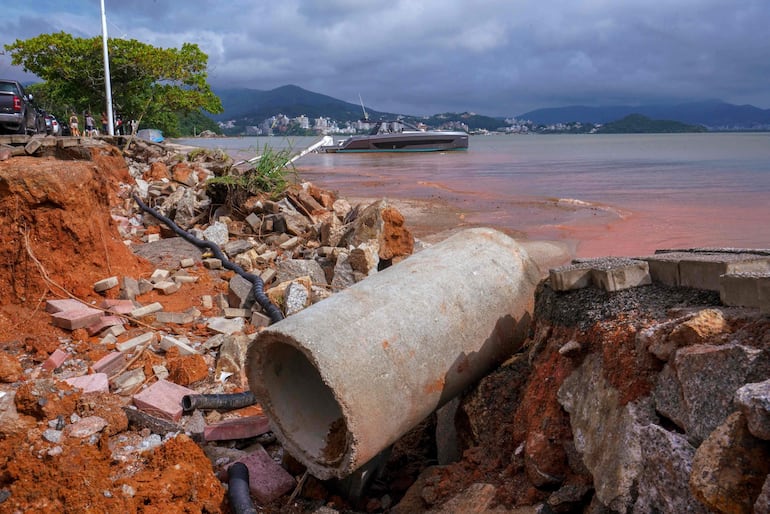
<point>635,379</point>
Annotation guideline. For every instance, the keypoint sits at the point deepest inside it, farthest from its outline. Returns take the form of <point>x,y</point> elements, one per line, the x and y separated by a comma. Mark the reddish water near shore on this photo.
<point>605,195</point>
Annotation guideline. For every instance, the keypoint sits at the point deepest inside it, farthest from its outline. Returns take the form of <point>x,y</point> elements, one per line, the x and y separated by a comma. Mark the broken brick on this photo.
<point>267,479</point>
<point>162,399</point>
<point>96,382</point>
<point>55,360</point>
<point>109,363</point>
<point>236,428</point>
<point>76,318</point>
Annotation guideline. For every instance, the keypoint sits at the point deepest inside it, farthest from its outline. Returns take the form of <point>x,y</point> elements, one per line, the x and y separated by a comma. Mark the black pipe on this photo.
<point>217,401</point>
<point>258,285</point>
<point>238,489</point>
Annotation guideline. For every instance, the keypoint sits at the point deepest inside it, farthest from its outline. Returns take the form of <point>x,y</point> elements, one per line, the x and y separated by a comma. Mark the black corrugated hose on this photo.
<point>238,489</point>
<point>218,401</point>
<point>258,285</point>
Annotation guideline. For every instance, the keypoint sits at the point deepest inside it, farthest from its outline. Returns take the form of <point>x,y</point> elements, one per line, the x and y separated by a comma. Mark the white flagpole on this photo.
<point>107,85</point>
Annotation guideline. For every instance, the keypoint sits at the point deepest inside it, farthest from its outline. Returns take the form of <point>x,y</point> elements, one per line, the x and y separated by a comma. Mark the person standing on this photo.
<point>104,123</point>
<point>90,129</point>
<point>73,121</point>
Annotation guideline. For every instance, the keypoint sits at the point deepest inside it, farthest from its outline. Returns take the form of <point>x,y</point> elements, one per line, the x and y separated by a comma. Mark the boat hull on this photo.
<point>403,142</point>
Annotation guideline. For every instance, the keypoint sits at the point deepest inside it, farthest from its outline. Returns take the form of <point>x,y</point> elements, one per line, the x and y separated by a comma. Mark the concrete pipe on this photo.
<point>345,378</point>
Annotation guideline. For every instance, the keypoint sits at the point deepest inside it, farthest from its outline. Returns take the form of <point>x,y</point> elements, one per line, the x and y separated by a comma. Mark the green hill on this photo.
<point>254,105</point>
<point>638,124</point>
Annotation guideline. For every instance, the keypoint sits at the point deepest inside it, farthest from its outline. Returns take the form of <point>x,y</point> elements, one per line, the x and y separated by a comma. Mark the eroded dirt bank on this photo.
<point>618,402</point>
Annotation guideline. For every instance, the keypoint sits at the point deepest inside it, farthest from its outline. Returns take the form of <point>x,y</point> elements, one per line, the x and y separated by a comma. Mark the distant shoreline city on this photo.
<point>292,110</point>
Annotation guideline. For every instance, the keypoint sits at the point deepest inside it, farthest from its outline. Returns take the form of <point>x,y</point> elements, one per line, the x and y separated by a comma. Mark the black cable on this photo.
<point>218,401</point>
<point>238,489</point>
<point>258,285</point>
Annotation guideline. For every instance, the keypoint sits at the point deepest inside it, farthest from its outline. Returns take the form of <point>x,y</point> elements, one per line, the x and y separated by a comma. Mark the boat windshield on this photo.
<point>391,127</point>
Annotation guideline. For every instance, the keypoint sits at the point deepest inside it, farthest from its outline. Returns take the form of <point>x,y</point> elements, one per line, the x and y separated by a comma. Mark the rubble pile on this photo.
<point>642,386</point>
<point>138,319</point>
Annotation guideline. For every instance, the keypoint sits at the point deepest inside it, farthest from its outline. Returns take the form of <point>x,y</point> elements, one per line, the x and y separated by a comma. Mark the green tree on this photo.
<point>156,84</point>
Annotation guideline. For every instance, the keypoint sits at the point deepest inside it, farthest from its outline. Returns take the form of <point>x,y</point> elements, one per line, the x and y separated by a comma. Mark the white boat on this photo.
<point>399,136</point>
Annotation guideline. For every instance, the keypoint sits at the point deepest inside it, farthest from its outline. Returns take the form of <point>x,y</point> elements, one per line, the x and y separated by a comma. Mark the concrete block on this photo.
<point>226,326</point>
<point>145,286</point>
<point>146,310</point>
<point>168,342</point>
<point>168,287</point>
<point>33,145</point>
<point>159,275</point>
<point>763,292</point>
<point>105,284</point>
<point>128,382</point>
<point>212,263</point>
<point>129,288</point>
<point>702,270</point>
<point>94,383</point>
<point>290,243</point>
<point>122,306</point>
<point>267,479</point>
<point>162,399</point>
<point>259,320</point>
<point>236,428</point>
<point>104,322</point>
<point>623,275</point>
<point>110,363</point>
<point>207,301</point>
<point>62,305</point>
<point>664,269</point>
<point>185,278</point>
<point>238,291</point>
<point>231,312</point>
<point>187,263</point>
<point>254,221</point>
<point>740,289</point>
<point>139,340</point>
<point>55,360</point>
<point>153,238</point>
<point>161,372</point>
<point>267,275</point>
<point>78,318</point>
<point>114,331</point>
<point>567,278</point>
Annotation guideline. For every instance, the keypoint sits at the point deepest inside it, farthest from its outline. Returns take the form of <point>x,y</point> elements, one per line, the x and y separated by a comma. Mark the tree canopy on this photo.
<point>157,84</point>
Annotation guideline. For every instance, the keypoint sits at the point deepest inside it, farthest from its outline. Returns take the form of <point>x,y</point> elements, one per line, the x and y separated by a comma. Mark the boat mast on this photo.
<point>366,116</point>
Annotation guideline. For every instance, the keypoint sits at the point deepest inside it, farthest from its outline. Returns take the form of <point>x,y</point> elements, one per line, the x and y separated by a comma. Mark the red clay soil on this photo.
<point>57,240</point>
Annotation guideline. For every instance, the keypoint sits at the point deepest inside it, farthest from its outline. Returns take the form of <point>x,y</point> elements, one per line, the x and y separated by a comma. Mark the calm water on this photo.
<point>607,195</point>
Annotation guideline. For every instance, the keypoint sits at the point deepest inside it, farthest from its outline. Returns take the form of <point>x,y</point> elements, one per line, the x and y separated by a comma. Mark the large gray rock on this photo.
<point>295,268</point>
<point>709,377</point>
<point>667,396</point>
<point>667,461</point>
<point>343,273</point>
<point>607,433</point>
<point>730,467</point>
<point>754,401</point>
<point>217,233</point>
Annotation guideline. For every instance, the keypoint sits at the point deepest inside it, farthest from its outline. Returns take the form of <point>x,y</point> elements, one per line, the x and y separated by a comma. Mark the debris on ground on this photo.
<point>647,399</point>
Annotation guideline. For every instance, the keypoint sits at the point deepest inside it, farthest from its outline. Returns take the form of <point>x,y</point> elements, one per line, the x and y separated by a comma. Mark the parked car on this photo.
<point>52,126</point>
<point>18,114</point>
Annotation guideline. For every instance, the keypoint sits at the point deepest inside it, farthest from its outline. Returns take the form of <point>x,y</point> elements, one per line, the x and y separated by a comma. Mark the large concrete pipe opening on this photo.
<point>345,378</point>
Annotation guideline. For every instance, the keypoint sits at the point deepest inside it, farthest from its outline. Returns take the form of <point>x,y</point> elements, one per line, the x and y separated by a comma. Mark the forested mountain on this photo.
<point>714,114</point>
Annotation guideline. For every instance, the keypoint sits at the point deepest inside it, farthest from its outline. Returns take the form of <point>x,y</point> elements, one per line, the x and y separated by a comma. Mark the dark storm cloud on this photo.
<point>497,57</point>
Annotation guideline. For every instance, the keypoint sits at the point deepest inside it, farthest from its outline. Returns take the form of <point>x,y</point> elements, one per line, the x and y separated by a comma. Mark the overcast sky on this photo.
<point>493,57</point>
